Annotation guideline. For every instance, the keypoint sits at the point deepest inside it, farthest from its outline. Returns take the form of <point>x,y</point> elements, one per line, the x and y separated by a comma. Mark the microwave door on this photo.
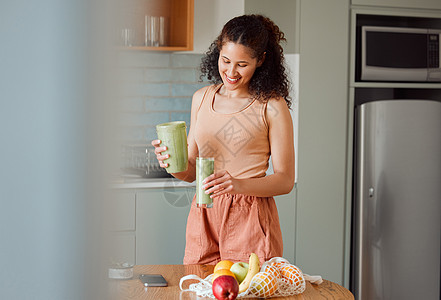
<point>394,54</point>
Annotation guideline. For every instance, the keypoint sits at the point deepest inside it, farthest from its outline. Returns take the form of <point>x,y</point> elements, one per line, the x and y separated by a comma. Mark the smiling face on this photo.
<point>236,66</point>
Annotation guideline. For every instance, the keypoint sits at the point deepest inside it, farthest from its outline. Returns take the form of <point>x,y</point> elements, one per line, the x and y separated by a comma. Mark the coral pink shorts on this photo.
<point>234,227</point>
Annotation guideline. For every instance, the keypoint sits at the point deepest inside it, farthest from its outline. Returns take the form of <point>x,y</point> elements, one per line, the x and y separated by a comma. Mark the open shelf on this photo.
<point>178,13</point>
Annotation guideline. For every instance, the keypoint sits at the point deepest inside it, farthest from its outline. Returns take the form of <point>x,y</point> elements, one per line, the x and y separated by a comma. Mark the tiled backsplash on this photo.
<point>156,88</point>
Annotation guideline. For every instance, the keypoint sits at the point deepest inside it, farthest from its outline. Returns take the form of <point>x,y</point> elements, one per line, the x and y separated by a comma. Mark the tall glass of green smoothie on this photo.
<point>174,136</point>
<point>204,168</point>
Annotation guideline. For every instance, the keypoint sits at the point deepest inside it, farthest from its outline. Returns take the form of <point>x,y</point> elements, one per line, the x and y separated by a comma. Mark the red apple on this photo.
<point>225,287</point>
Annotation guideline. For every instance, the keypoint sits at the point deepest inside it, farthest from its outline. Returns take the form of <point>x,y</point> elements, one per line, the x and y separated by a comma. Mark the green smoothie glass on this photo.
<point>174,136</point>
<point>204,168</point>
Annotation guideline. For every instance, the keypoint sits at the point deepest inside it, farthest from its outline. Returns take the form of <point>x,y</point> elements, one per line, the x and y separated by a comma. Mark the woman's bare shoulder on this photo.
<point>199,95</point>
<point>275,107</point>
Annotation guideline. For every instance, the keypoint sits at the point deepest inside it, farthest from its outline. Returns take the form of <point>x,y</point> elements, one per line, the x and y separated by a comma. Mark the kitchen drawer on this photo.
<point>122,211</point>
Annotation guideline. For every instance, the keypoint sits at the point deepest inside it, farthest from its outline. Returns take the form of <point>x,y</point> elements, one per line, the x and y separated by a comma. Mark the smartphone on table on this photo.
<point>153,280</point>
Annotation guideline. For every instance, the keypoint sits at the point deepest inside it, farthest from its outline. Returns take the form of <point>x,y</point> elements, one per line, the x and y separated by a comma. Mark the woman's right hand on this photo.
<point>158,152</point>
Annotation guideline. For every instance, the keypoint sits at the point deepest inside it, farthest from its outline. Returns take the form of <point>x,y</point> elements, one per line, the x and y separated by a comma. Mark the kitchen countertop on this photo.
<point>133,289</point>
<point>150,183</point>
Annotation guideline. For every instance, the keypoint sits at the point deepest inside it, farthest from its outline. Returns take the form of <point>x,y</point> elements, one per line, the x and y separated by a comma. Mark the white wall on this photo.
<point>283,13</point>
<point>209,18</point>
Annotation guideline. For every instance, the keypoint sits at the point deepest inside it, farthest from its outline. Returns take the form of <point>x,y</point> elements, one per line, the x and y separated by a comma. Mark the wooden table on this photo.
<point>134,289</point>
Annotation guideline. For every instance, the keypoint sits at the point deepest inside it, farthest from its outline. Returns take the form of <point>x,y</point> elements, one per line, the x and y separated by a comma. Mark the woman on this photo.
<point>240,120</point>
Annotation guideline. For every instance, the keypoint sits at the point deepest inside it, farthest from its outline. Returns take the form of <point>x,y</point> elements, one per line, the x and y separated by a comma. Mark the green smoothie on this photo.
<point>204,168</point>
<point>174,136</point>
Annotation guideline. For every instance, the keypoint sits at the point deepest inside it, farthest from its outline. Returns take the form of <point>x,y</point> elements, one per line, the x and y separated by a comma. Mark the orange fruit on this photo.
<point>264,285</point>
<point>223,264</point>
<point>273,270</point>
<point>292,275</point>
<point>278,265</point>
<point>222,272</point>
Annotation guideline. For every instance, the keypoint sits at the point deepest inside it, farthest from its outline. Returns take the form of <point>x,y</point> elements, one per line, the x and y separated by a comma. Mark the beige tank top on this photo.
<point>238,141</point>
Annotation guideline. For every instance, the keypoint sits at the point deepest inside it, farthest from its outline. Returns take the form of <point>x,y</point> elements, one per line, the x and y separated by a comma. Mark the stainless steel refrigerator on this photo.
<point>397,200</point>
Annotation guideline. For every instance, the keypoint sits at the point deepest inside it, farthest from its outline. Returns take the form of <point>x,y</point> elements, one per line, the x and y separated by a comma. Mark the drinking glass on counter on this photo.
<point>204,168</point>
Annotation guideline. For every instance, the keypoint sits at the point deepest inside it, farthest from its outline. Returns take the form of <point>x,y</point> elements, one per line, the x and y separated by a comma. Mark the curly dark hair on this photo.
<point>263,38</point>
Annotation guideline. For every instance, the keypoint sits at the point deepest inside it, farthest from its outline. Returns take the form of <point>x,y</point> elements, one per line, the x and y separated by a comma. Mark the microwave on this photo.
<point>400,54</point>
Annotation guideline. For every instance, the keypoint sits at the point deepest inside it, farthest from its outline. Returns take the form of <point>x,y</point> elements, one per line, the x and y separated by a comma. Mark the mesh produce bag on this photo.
<point>277,277</point>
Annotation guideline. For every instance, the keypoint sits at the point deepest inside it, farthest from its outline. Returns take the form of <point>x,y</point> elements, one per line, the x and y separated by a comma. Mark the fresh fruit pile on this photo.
<point>223,287</point>
<point>230,279</point>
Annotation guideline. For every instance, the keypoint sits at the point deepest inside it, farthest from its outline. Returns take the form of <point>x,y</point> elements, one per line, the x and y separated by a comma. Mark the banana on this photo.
<point>253,269</point>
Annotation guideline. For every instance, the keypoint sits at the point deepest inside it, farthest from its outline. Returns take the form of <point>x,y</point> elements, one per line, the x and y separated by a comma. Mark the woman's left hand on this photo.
<point>220,183</point>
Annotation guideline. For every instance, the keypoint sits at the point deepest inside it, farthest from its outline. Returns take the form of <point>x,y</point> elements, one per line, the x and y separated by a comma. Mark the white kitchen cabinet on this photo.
<point>122,247</point>
<point>148,225</point>
<point>161,218</point>
<point>122,212</point>
<point>121,220</point>
<point>426,4</point>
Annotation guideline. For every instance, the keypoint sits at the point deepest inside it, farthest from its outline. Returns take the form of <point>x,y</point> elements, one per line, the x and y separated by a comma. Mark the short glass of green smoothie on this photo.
<point>174,136</point>
<point>204,168</point>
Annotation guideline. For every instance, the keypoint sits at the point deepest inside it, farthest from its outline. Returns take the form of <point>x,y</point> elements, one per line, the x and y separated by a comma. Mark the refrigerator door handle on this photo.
<point>371,192</point>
